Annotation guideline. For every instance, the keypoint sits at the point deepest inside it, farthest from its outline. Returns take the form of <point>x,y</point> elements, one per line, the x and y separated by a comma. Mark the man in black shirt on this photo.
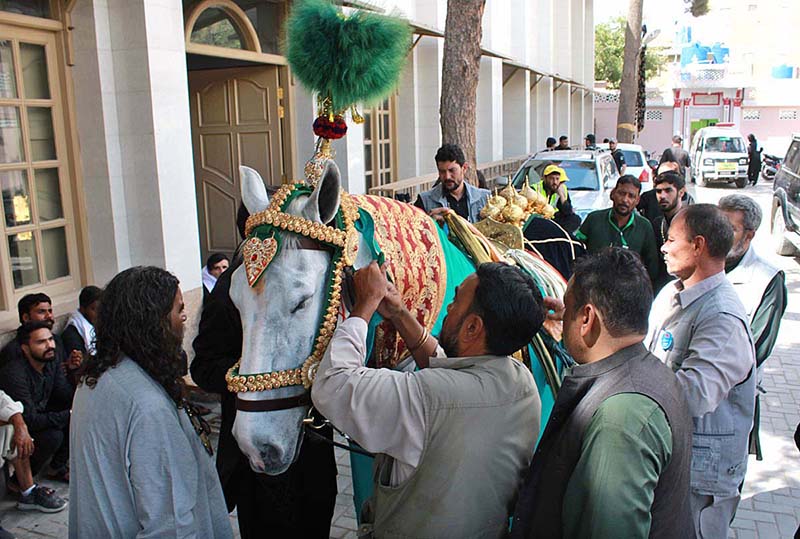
<point>78,334</point>
<point>669,188</point>
<point>452,192</point>
<point>616,153</point>
<point>33,308</point>
<point>676,154</point>
<point>37,380</point>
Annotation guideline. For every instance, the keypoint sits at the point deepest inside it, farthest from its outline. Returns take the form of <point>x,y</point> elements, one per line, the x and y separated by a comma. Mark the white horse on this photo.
<point>281,314</point>
<point>280,317</point>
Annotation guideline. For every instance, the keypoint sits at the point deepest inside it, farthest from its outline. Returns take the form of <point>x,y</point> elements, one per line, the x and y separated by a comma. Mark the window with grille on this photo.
<point>37,235</point>
<point>654,115</point>
<point>379,127</point>
<point>787,115</point>
<point>751,114</point>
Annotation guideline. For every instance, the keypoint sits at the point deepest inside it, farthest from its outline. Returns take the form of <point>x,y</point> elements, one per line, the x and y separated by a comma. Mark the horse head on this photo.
<point>280,316</point>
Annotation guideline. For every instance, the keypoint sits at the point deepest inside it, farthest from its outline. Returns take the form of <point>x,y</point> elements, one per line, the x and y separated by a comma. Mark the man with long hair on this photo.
<point>141,460</point>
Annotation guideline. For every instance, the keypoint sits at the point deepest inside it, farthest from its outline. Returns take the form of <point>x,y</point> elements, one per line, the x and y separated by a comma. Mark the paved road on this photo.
<point>771,496</point>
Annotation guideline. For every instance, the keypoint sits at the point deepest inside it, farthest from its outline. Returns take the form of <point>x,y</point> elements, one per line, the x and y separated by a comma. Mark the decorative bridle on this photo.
<point>260,248</point>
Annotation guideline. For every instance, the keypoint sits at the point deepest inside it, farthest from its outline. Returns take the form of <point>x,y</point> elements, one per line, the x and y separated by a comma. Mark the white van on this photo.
<point>719,154</point>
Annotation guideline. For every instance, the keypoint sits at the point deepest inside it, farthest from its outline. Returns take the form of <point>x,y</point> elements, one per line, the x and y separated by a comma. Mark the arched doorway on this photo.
<point>237,100</point>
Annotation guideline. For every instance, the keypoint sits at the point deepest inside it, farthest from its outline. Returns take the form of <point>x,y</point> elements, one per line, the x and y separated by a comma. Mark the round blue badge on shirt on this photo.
<point>667,341</point>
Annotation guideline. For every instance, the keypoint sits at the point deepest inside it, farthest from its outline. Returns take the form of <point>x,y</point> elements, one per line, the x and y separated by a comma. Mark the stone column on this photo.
<point>517,115</point>
<point>133,121</point>
<point>490,111</point>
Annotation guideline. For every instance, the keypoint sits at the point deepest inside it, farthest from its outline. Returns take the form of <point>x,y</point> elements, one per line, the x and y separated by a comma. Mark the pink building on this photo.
<point>772,114</point>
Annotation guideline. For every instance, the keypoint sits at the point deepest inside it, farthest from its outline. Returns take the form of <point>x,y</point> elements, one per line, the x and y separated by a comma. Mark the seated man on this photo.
<point>621,226</point>
<point>38,382</point>
<point>455,437</point>
<point>452,191</point>
<point>78,335</point>
<point>615,456</point>
<point>35,308</point>
<point>553,187</point>
<point>17,446</point>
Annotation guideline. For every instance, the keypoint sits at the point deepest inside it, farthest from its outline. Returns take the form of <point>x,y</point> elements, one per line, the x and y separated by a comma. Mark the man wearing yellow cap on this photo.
<point>553,187</point>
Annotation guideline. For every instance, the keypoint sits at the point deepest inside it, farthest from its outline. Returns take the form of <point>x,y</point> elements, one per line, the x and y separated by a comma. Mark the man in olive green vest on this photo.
<point>614,459</point>
<point>454,438</point>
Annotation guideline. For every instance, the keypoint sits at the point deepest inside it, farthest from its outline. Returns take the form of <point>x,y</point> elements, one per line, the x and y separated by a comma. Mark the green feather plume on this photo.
<point>350,58</point>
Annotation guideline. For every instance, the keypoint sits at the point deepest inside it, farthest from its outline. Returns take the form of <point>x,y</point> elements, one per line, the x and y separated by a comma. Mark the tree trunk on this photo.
<point>628,86</point>
<point>460,69</point>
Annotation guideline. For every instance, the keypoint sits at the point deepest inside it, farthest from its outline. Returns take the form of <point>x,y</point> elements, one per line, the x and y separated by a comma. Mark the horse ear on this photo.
<point>323,203</point>
<point>254,192</point>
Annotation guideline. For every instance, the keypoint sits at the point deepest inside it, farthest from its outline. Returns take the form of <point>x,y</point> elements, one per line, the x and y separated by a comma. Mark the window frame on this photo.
<point>42,33</point>
<point>252,46</point>
<point>374,116</point>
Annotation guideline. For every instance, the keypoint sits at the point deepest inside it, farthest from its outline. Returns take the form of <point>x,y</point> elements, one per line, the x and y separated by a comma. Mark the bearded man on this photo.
<point>621,226</point>
<point>140,454</point>
<point>451,191</point>
<point>454,438</point>
<point>669,189</point>
<point>760,285</point>
<point>37,381</point>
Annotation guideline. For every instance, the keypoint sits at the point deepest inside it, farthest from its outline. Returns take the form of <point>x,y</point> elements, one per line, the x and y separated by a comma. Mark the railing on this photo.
<point>411,187</point>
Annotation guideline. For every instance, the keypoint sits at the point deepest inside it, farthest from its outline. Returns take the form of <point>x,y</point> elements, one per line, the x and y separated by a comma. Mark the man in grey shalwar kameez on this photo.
<point>139,465</point>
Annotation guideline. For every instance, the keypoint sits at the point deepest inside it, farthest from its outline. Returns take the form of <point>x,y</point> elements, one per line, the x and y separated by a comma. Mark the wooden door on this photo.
<point>235,121</point>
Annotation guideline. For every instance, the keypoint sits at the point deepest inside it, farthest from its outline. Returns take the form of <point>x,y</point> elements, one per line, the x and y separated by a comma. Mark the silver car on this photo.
<point>592,174</point>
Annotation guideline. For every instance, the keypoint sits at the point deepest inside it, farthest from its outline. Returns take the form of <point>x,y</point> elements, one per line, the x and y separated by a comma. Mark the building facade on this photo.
<point>735,65</point>
<point>124,123</point>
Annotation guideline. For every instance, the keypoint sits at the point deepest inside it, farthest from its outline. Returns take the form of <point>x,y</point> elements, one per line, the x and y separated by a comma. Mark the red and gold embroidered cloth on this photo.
<point>415,264</point>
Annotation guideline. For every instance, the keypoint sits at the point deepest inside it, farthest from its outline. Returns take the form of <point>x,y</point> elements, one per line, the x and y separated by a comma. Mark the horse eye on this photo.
<point>301,304</point>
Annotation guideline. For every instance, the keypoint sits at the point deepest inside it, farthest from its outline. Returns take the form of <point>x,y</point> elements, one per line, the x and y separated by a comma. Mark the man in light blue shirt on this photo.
<point>699,328</point>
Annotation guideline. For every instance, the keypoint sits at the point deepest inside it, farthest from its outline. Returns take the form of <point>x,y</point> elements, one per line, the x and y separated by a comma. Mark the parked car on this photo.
<point>785,216</point>
<point>719,154</point>
<point>592,174</point>
<point>636,161</point>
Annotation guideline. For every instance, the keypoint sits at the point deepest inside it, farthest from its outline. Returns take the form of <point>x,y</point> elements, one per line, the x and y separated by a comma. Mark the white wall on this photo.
<point>133,122</point>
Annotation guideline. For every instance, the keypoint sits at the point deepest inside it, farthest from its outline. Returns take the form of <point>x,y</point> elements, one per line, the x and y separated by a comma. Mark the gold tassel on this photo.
<point>357,118</point>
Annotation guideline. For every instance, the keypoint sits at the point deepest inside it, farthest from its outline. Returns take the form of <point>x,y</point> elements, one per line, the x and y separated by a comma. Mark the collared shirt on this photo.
<point>383,410</point>
<point>600,230</point>
<point>713,361</point>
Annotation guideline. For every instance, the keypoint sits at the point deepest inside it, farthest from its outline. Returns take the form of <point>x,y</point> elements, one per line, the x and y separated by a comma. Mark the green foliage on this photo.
<point>609,45</point>
<point>698,8</point>
<point>352,59</point>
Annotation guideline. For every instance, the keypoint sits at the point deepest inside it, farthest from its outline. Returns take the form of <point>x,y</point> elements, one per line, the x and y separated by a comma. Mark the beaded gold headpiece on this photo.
<point>261,247</point>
